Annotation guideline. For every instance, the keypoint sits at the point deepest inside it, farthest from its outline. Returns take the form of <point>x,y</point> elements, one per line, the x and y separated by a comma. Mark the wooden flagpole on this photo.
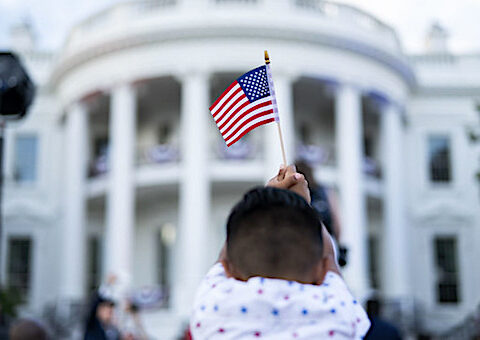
<point>281,144</point>
<point>267,62</point>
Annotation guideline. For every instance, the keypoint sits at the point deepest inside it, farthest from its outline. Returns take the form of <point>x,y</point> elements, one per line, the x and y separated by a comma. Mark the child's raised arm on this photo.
<point>288,178</point>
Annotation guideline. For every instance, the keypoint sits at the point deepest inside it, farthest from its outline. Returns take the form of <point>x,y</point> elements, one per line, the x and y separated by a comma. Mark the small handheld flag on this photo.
<point>247,103</point>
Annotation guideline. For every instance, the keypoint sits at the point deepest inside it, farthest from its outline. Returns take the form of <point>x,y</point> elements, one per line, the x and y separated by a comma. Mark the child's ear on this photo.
<point>320,271</point>
<point>230,270</point>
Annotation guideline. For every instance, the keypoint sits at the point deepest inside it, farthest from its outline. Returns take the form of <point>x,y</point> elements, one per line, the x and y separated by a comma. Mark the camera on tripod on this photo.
<point>16,95</point>
<point>16,88</point>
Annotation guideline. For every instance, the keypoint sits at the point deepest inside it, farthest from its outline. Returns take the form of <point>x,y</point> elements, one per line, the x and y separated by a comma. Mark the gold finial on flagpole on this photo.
<point>267,58</point>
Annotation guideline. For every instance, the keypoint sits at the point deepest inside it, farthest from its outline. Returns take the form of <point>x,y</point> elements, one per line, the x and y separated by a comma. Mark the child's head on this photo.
<point>274,233</point>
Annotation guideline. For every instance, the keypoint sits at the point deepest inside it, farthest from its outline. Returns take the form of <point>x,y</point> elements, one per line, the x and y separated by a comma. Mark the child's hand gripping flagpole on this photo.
<point>275,105</point>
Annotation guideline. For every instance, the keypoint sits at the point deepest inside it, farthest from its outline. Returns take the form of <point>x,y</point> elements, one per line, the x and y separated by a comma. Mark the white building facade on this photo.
<point>119,168</point>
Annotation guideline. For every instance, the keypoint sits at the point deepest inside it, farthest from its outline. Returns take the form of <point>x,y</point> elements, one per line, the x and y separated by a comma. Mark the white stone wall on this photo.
<point>445,104</point>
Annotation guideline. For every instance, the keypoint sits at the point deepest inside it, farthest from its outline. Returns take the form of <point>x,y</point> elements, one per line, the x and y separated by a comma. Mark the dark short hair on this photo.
<point>273,233</point>
<point>26,329</point>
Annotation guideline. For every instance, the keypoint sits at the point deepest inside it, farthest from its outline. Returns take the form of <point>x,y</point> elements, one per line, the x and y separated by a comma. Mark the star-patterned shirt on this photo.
<point>264,308</point>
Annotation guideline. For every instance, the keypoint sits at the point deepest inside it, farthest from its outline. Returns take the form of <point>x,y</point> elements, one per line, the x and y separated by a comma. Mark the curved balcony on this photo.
<point>143,22</point>
<point>323,12</point>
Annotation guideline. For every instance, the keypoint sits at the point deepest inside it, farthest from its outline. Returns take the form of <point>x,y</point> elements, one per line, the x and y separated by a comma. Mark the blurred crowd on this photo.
<point>113,317</point>
<point>109,314</point>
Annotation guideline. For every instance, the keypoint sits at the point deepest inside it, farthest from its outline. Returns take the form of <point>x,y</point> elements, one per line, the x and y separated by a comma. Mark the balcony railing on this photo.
<point>241,150</point>
<point>117,14</point>
<point>325,156</point>
<point>348,13</point>
<point>157,154</point>
<point>98,165</point>
<point>315,154</point>
<point>235,1</point>
<point>469,328</point>
<point>371,167</point>
<point>154,154</point>
<point>151,297</point>
<point>129,11</point>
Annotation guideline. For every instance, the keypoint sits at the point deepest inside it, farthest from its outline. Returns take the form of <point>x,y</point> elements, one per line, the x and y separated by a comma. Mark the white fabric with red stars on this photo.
<point>263,308</point>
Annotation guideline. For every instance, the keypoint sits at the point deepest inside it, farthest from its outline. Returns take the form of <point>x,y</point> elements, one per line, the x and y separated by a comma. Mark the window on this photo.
<point>439,159</point>
<point>447,270</point>
<point>26,159</point>
<point>19,260</point>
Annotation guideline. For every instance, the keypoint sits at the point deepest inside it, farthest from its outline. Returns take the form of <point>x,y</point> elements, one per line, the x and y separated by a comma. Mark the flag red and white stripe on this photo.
<point>247,103</point>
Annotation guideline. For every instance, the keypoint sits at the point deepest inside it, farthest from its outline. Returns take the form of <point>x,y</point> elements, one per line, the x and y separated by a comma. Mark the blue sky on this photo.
<point>411,18</point>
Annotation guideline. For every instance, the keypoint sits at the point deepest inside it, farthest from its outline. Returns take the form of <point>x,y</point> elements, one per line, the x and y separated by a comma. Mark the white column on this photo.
<point>194,195</point>
<point>394,258</point>
<point>73,270</point>
<point>352,208</point>
<point>121,192</point>
<point>272,149</point>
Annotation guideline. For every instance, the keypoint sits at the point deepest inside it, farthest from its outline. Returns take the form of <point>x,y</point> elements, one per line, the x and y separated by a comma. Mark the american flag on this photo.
<point>246,104</point>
